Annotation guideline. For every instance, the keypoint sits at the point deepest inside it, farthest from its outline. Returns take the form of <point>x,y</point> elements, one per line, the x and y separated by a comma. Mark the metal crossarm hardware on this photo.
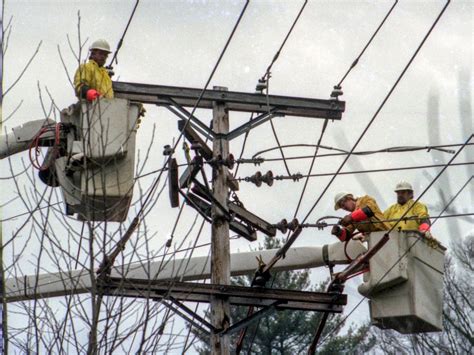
<point>235,101</point>
<point>237,295</point>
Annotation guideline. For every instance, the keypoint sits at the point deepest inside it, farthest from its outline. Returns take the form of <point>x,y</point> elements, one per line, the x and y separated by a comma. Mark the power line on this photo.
<point>107,264</point>
<point>399,149</point>
<point>119,45</point>
<point>454,197</point>
<point>258,160</point>
<point>311,167</point>
<point>321,225</point>
<point>402,74</point>
<point>354,63</point>
<point>382,170</point>
<point>403,216</point>
<point>296,177</point>
<point>266,76</point>
<point>266,81</point>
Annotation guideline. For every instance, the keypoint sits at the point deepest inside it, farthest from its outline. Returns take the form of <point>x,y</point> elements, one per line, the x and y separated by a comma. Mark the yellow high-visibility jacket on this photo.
<point>95,77</point>
<point>368,201</point>
<point>396,211</point>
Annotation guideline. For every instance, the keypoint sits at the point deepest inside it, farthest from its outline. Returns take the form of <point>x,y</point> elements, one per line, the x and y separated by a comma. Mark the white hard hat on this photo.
<point>101,44</point>
<point>339,197</point>
<point>403,185</point>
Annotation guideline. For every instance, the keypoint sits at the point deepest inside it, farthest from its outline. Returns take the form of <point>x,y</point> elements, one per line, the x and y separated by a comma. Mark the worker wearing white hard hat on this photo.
<point>365,215</point>
<point>415,214</point>
<point>92,80</point>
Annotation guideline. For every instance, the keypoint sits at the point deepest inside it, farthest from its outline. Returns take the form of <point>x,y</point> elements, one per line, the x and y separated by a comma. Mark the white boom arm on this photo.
<point>79,281</point>
<point>20,139</point>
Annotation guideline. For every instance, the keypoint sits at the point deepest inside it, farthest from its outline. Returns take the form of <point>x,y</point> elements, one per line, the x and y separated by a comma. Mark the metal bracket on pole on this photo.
<point>204,208</point>
<point>206,152</point>
<point>235,101</point>
<point>257,121</point>
<point>190,173</point>
<point>187,318</point>
<point>238,212</point>
<point>192,313</point>
<point>191,124</point>
<point>250,319</point>
<point>181,112</point>
<point>237,295</point>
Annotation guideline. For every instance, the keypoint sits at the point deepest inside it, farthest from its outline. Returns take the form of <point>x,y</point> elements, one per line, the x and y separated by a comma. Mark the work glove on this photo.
<point>340,232</point>
<point>92,95</point>
<point>346,220</point>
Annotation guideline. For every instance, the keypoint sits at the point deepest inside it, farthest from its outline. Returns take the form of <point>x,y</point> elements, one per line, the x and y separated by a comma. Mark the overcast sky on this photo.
<point>178,42</point>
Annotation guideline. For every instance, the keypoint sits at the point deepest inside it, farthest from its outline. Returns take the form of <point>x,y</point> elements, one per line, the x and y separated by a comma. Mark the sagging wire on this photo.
<point>264,81</point>
<point>325,124</point>
<point>107,263</point>
<point>389,94</point>
<point>319,224</point>
<point>400,219</point>
<point>268,178</point>
<point>399,149</point>
<point>257,160</point>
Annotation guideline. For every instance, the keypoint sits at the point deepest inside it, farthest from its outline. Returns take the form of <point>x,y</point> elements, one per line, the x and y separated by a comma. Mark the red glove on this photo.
<point>92,95</point>
<point>341,233</point>
<point>424,227</point>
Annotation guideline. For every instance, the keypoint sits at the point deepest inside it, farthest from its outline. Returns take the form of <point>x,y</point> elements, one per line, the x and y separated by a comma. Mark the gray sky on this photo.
<point>178,42</point>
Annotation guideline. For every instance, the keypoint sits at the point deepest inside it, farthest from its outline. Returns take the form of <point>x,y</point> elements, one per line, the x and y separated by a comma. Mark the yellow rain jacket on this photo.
<point>396,211</point>
<point>367,201</point>
<point>95,77</point>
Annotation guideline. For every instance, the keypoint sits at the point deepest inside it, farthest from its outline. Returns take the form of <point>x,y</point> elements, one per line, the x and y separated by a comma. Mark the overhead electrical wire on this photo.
<point>296,177</point>
<point>310,168</point>
<point>406,252</point>
<point>321,225</point>
<point>154,185</point>
<point>389,94</point>
<point>377,112</point>
<point>277,54</point>
<point>119,45</point>
<point>399,149</point>
<point>259,160</point>
<point>326,121</point>
<point>354,63</point>
<point>266,80</point>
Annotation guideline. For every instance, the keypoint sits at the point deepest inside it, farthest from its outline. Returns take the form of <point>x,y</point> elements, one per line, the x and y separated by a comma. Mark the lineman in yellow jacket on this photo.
<point>365,215</point>
<point>92,80</point>
<point>417,211</point>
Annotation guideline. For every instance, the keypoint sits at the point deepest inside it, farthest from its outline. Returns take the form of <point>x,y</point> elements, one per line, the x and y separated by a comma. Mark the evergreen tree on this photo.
<point>288,331</point>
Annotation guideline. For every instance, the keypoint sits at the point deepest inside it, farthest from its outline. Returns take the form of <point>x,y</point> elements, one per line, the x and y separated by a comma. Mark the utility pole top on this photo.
<point>236,101</point>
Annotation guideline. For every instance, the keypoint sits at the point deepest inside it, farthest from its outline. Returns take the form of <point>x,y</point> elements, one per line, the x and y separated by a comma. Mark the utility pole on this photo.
<point>213,205</point>
<point>220,249</point>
